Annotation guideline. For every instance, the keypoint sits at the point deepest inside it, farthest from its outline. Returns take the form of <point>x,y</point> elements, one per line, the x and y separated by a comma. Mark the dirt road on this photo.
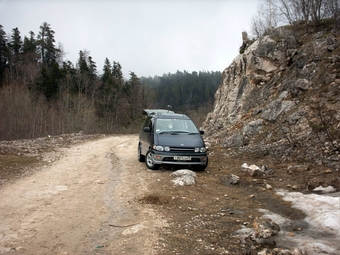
<point>94,197</point>
<point>84,203</point>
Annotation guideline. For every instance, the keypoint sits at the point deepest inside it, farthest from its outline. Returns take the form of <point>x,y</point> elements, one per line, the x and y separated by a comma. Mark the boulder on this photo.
<point>251,170</point>
<point>183,177</point>
<point>234,179</point>
<point>265,228</point>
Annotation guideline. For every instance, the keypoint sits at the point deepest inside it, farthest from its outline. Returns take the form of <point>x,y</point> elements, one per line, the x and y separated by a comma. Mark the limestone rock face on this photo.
<point>273,95</point>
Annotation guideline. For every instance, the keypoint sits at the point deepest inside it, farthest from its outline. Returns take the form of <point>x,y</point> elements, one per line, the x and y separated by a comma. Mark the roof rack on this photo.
<point>150,112</point>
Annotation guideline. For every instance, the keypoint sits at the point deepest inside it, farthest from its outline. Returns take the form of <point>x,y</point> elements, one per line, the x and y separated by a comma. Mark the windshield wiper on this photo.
<point>165,132</point>
<point>179,132</point>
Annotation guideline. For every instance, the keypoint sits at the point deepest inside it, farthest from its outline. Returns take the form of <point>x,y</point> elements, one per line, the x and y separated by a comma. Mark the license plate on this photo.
<point>182,158</point>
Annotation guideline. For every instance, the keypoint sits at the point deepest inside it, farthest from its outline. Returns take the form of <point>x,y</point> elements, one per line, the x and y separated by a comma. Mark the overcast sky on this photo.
<point>148,37</point>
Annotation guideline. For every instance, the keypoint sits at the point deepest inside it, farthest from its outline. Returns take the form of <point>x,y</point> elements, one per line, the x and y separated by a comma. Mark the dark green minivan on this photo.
<point>168,138</point>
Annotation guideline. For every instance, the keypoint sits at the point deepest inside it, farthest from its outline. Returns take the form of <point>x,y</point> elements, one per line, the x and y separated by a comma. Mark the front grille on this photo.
<point>181,149</point>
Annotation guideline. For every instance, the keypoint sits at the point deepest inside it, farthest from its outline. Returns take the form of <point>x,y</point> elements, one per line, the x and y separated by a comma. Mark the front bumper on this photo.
<point>170,158</point>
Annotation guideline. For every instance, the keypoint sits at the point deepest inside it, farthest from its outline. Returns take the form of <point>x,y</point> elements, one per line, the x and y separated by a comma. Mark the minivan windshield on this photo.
<point>175,126</point>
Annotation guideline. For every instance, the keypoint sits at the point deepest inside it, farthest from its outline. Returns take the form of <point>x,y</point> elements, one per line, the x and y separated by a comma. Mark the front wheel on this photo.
<point>149,161</point>
<point>201,167</point>
<point>141,157</point>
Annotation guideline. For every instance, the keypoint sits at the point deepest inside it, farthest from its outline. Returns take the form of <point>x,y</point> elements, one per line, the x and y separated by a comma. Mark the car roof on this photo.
<point>150,112</point>
<point>172,116</point>
<point>164,114</point>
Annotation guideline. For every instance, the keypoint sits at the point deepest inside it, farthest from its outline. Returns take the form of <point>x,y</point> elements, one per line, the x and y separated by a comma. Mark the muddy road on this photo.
<point>84,203</point>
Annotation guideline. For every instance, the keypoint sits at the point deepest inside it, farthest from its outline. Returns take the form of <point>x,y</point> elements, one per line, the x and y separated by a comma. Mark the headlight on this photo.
<point>158,148</point>
<point>161,148</point>
<point>202,149</point>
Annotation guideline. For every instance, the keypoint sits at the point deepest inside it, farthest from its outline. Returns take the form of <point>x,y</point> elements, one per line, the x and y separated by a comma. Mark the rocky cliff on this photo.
<point>281,98</point>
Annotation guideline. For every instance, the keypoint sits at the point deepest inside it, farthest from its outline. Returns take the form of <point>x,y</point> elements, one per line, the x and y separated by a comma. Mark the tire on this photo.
<point>201,168</point>
<point>141,157</point>
<point>149,162</point>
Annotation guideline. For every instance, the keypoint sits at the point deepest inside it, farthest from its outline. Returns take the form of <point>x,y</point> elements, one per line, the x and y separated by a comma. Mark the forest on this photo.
<point>41,94</point>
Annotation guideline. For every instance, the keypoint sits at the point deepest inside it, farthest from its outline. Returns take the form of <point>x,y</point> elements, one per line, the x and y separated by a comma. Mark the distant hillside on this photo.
<point>189,93</point>
<point>184,91</point>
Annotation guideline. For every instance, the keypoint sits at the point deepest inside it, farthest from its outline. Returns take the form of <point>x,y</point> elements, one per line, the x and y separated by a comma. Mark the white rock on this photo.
<point>328,189</point>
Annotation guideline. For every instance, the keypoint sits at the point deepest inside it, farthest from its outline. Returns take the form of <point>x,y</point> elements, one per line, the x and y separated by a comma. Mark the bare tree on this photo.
<point>295,11</point>
<point>257,26</point>
<point>332,9</point>
<point>267,18</point>
<point>318,10</point>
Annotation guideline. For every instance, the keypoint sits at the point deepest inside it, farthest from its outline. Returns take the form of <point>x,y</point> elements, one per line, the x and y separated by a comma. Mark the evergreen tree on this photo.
<point>16,43</point>
<point>92,68</point>
<point>4,54</point>
<point>48,83</point>
<point>117,71</point>
<point>68,68</point>
<point>107,92</point>
<point>107,75</point>
<point>134,94</point>
<point>30,44</point>
<point>45,44</point>
<point>87,74</point>
<point>29,50</point>
<point>82,64</point>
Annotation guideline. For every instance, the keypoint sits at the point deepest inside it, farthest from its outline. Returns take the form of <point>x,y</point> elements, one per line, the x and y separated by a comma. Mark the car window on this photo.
<point>163,125</point>
<point>175,125</point>
<point>148,123</point>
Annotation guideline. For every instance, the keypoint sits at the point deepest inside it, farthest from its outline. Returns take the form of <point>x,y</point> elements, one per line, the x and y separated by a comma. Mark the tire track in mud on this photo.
<point>84,203</point>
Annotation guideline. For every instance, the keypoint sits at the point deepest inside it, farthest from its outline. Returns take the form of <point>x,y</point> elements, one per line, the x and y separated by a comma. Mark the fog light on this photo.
<point>157,157</point>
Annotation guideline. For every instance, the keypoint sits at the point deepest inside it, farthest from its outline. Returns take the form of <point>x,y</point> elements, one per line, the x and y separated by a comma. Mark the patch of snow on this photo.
<point>318,233</point>
<point>328,189</point>
<point>321,233</point>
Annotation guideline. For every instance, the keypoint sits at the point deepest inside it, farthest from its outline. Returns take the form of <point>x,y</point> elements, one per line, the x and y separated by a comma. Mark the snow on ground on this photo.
<point>319,232</point>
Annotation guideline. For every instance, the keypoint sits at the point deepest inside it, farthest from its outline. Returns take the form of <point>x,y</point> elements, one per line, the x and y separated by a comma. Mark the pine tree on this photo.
<point>107,75</point>
<point>45,44</point>
<point>92,68</point>
<point>82,64</point>
<point>30,44</point>
<point>48,83</point>
<point>117,71</point>
<point>134,94</point>
<point>16,43</point>
<point>87,74</point>
<point>4,54</point>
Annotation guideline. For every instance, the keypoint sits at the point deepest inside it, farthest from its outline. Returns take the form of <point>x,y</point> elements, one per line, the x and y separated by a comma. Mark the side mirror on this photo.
<point>201,132</point>
<point>147,129</point>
